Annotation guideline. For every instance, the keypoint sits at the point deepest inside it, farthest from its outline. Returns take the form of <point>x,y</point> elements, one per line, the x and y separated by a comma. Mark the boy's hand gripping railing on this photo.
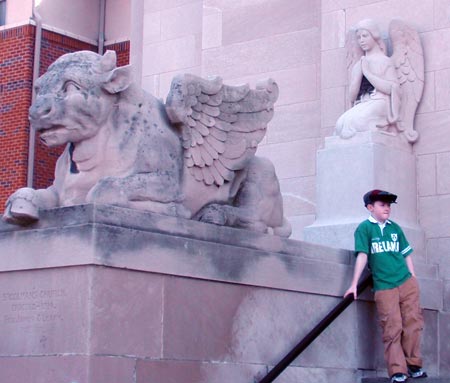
<point>315,332</point>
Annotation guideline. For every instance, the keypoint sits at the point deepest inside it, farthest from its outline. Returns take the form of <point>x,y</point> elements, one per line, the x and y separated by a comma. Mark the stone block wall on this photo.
<point>172,38</point>
<point>248,41</point>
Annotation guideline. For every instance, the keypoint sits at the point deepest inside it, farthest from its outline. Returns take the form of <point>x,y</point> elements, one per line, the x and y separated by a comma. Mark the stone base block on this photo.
<point>346,170</point>
<point>95,294</point>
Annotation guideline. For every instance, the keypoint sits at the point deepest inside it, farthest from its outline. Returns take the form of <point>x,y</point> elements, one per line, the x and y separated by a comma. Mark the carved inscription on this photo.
<point>32,306</point>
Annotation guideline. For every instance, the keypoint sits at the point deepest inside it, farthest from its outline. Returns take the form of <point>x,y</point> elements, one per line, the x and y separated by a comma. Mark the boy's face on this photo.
<point>380,210</point>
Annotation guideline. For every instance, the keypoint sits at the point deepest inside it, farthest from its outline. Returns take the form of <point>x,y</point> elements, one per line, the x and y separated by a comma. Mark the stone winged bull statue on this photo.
<point>192,157</point>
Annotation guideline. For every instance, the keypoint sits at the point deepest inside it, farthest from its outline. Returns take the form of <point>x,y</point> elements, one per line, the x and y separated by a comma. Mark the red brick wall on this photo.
<point>16,72</point>
<point>16,66</point>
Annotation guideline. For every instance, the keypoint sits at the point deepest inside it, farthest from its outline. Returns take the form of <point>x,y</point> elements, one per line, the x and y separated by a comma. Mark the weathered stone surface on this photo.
<point>421,14</point>
<point>172,55</point>
<point>433,129</point>
<point>299,195</point>
<point>295,122</point>
<point>447,294</point>
<point>152,28</point>
<point>126,311</point>
<point>426,175</point>
<point>305,374</point>
<point>183,20</point>
<point>234,335</point>
<point>444,334</point>
<point>269,18</point>
<point>252,57</point>
<point>189,371</point>
<point>293,159</point>
<point>435,215</point>
<point>211,28</point>
<point>441,12</point>
<point>333,29</point>
<point>442,92</point>
<point>105,242</point>
<point>333,69</point>
<point>437,51</point>
<point>38,304</point>
<point>299,223</point>
<point>442,169</point>
<point>333,105</point>
<point>387,380</point>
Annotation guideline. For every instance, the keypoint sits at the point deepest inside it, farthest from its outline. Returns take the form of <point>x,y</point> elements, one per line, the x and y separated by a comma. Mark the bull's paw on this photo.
<point>213,213</point>
<point>21,207</point>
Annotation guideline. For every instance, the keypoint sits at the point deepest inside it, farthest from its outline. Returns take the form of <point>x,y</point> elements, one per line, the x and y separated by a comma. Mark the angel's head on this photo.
<point>368,34</point>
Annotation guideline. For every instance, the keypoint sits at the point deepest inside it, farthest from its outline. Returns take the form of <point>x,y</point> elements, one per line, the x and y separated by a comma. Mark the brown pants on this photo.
<point>401,322</point>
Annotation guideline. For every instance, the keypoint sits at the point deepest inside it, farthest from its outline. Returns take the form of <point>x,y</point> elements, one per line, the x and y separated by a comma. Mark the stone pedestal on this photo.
<point>346,170</point>
<point>99,294</point>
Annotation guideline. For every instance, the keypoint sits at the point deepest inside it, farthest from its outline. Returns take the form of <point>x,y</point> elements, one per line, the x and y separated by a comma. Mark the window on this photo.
<point>2,12</point>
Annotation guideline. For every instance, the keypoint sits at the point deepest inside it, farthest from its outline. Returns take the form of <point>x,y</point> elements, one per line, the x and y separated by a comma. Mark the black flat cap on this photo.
<point>378,195</point>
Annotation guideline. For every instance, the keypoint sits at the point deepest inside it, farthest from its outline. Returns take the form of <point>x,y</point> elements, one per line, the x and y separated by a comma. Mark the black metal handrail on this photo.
<point>315,332</point>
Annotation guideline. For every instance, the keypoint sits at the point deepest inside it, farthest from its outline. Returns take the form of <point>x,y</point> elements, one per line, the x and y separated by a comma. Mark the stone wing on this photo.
<point>220,125</point>
<point>353,50</point>
<point>407,56</point>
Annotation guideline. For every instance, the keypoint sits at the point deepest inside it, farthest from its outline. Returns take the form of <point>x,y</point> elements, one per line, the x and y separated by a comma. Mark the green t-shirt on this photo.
<point>386,250</point>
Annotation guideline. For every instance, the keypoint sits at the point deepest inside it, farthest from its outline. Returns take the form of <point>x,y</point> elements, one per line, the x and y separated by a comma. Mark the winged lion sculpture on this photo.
<point>191,157</point>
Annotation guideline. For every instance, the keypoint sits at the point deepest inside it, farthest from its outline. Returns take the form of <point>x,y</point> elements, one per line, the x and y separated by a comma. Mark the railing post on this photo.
<point>315,332</point>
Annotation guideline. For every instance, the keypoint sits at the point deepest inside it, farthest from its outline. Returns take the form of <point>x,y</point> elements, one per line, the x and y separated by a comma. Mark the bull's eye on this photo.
<point>70,87</point>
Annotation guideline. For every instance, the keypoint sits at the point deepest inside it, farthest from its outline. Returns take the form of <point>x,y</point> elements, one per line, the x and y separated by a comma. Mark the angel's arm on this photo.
<point>355,82</point>
<point>383,85</point>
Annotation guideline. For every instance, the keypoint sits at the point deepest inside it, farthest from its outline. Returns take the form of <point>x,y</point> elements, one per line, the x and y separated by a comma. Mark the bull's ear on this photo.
<point>108,61</point>
<point>118,79</point>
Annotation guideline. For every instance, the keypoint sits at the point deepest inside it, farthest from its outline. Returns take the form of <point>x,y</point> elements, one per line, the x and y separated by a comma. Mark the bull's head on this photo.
<point>76,96</point>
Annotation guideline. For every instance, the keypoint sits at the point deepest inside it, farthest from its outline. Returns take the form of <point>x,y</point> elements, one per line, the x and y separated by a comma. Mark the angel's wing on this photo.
<point>354,51</point>
<point>221,125</point>
<point>409,64</point>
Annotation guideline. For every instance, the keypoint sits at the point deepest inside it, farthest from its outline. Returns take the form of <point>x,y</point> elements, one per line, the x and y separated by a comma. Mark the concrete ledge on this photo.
<point>124,238</point>
<point>140,220</point>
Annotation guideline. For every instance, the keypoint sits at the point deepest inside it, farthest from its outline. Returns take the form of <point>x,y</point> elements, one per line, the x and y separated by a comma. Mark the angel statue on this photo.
<point>384,90</point>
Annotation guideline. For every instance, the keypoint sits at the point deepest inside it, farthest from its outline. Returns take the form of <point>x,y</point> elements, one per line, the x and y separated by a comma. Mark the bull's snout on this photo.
<point>39,111</point>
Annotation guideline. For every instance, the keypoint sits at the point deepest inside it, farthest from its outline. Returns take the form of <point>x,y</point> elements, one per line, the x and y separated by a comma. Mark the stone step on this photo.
<point>421,380</point>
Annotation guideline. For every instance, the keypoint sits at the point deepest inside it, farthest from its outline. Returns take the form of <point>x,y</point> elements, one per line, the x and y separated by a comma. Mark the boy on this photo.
<point>382,243</point>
